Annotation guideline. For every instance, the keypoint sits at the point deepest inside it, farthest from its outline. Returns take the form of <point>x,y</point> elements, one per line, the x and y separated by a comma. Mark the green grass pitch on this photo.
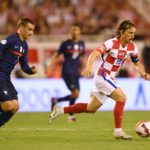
<point>31,131</point>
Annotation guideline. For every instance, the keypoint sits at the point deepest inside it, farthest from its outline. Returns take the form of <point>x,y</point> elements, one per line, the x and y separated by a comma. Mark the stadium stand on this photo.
<point>53,19</point>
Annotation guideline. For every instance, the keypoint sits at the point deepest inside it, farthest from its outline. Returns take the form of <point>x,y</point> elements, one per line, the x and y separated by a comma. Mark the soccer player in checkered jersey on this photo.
<point>13,49</point>
<point>113,52</point>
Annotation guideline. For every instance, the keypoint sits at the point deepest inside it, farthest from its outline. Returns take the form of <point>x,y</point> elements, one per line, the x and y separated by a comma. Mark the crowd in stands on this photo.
<point>56,16</point>
<point>53,17</point>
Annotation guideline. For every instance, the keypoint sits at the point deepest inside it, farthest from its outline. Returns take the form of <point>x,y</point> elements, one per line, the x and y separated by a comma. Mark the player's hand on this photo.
<point>34,69</point>
<point>87,73</point>
<point>146,76</point>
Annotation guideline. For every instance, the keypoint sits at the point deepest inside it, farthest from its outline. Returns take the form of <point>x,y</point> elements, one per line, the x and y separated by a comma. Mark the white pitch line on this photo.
<point>48,129</point>
<point>113,129</point>
<point>37,129</point>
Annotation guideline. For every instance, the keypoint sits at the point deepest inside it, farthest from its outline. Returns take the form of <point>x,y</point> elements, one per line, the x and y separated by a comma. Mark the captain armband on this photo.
<point>134,59</point>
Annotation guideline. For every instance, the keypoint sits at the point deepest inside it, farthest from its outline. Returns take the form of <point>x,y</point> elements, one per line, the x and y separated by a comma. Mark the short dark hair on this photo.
<point>24,21</point>
<point>123,26</point>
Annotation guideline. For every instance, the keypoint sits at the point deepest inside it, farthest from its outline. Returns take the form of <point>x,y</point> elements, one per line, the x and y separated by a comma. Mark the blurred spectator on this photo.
<point>55,17</point>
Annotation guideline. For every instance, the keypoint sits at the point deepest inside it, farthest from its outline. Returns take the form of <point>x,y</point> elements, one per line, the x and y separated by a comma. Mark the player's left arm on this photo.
<point>25,66</point>
<point>83,60</point>
<point>140,68</point>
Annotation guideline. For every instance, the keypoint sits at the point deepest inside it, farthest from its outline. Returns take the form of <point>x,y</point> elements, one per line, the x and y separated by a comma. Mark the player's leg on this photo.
<point>11,105</point>
<point>109,87</point>
<point>8,101</point>
<point>96,100</point>
<point>75,95</point>
<point>72,82</point>
<point>55,100</point>
<point>75,91</point>
<point>90,107</point>
<point>7,110</point>
<point>120,98</point>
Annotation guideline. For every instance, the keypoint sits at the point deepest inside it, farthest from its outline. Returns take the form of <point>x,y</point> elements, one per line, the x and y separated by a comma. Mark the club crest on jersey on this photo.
<point>76,46</point>
<point>18,51</point>
<point>21,50</point>
<point>121,54</point>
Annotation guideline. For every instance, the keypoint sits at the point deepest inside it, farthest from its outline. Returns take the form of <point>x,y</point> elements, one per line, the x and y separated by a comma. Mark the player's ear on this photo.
<point>121,32</point>
<point>21,27</point>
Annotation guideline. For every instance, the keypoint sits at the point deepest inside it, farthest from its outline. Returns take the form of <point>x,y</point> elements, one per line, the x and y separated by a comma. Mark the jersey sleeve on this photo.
<point>4,45</point>
<point>61,48</point>
<point>24,62</point>
<point>83,51</point>
<point>105,47</point>
<point>134,55</point>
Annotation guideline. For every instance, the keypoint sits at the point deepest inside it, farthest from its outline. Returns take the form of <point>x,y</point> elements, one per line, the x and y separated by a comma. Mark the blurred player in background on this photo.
<point>113,52</point>
<point>13,49</point>
<point>73,51</point>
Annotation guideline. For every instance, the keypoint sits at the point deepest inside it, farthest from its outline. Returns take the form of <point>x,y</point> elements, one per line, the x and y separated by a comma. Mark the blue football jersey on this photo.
<point>72,52</point>
<point>12,51</point>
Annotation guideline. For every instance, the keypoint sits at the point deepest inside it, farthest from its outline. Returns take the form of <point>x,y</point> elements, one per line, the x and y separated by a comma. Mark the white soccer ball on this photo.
<point>142,128</point>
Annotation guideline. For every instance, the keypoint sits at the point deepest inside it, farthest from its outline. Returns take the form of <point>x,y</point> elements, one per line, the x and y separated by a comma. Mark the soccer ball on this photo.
<point>142,128</point>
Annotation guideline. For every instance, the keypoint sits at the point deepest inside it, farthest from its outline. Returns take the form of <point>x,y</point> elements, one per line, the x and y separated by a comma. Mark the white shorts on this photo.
<point>103,86</point>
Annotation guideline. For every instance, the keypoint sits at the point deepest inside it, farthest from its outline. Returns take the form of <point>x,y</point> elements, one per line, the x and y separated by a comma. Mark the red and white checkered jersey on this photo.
<point>114,55</point>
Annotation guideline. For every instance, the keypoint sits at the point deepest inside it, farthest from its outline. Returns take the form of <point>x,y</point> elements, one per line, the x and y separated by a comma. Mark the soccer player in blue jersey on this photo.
<point>13,49</point>
<point>73,51</point>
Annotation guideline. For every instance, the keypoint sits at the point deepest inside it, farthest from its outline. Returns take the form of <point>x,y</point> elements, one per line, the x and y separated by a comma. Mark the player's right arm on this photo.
<point>103,48</point>
<point>89,67</point>
<point>53,60</point>
<point>54,57</point>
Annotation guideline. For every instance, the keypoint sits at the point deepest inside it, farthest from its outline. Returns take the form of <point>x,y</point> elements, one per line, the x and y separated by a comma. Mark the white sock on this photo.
<point>62,110</point>
<point>118,129</point>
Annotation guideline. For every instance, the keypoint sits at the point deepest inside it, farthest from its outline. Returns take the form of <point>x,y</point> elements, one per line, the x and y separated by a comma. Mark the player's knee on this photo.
<point>91,110</point>
<point>8,107</point>
<point>122,98</point>
<point>15,108</point>
<point>75,94</point>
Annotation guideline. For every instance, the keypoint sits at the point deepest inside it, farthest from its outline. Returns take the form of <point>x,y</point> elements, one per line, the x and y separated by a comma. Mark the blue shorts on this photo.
<point>7,91</point>
<point>72,81</point>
